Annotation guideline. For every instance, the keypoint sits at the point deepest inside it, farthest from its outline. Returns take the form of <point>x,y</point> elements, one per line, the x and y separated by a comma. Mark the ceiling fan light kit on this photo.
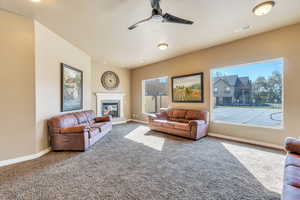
<point>263,8</point>
<point>157,15</point>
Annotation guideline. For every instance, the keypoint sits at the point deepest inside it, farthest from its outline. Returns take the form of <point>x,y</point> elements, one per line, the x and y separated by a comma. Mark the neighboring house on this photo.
<point>232,90</point>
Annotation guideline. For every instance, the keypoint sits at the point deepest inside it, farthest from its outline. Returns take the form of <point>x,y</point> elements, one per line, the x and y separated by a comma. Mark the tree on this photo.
<point>275,87</point>
<point>268,90</point>
<point>260,90</point>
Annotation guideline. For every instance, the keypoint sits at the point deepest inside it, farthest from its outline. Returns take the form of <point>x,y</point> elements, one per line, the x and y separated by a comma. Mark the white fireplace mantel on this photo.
<point>110,97</point>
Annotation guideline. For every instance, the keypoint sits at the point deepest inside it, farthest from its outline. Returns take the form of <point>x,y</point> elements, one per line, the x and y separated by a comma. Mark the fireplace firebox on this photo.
<point>111,108</point>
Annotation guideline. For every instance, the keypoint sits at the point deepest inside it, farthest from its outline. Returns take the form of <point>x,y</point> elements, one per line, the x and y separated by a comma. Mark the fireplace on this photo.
<point>111,108</point>
<point>112,104</point>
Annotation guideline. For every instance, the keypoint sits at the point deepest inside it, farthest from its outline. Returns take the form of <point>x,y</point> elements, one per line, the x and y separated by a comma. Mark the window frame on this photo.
<point>212,102</point>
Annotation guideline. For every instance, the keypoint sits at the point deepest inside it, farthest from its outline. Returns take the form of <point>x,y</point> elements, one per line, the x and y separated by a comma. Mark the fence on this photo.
<point>162,102</point>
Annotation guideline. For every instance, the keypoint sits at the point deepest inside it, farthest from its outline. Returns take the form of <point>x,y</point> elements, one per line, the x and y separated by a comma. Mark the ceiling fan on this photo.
<point>157,15</point>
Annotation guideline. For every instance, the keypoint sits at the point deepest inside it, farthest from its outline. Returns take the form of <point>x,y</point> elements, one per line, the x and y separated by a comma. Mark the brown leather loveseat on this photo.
<point>77,131</point>
<point>191,124</point>
<point>291,185</point>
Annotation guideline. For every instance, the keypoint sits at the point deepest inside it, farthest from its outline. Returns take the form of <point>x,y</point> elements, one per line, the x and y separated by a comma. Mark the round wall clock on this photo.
<point>110,80</point>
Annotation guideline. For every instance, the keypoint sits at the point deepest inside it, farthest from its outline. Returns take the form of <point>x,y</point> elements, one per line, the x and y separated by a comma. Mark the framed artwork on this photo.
<point>188,88</point>
<point>71,88</point>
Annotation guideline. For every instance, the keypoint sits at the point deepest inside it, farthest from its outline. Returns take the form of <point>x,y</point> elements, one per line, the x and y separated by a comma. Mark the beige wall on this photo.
<point>284,43</point>
<point>51,50</point>
<point>17,102</point>
<point>124,87</point>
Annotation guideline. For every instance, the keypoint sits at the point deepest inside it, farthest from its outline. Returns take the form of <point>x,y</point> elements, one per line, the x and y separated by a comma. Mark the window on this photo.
<point>155,94</point>
<point>250,94</point>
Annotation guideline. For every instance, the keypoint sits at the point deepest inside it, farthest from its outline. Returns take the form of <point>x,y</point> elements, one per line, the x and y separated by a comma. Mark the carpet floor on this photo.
<point>132,162</point>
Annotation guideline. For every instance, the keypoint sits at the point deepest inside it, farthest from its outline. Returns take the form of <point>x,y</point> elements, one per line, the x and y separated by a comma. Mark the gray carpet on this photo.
<point>121,168</point>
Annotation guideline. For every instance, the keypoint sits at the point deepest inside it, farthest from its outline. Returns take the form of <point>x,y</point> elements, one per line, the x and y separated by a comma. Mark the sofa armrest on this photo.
<point>103,118</point>
<point>70,141</point>
<point>74,129</point>
<point>292,145</point>
<point>196,122</point>
<point>152,117</point>
<point>199,129</point>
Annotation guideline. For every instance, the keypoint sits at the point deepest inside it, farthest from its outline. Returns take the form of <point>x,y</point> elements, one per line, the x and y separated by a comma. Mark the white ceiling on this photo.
<point>99,27</point>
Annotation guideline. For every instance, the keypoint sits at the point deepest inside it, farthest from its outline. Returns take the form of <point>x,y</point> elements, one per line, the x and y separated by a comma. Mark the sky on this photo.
<point>253,71</point>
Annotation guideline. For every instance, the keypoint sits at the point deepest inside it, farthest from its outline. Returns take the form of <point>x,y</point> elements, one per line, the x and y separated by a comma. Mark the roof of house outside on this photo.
<point>231,80</point>
<point>244,80</point>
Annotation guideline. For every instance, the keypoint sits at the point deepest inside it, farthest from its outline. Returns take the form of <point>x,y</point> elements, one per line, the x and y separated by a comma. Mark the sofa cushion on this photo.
<point>195,115</point>
<point>169,124</point>
<point>182,126</point>
<point>176,113</point>
<point>157,122</point>
<point>73,129</point>
<point>179,120</point>
<point>81,117</point>
<point>106,127</point>
<point>293,160</point>
<point>93,132</point>
<point>63,121</point>
<point>90,114</point>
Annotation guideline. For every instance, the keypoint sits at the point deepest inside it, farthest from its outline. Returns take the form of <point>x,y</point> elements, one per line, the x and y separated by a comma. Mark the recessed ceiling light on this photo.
<point>263,8</point>
<point>163,46</point>
<point>36,1</point>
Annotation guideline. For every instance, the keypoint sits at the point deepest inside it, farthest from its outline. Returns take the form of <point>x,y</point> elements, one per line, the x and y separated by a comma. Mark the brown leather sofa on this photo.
<point>192,124</point>
<point>77,131</point>
<point>291,185</point>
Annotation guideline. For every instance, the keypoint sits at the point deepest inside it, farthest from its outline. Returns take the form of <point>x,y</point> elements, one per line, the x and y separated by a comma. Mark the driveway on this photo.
<point>251,116</point>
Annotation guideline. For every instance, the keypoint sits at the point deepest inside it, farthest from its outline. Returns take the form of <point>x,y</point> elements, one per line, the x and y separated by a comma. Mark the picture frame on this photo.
<point>71,88</point>
<point>188,88</point>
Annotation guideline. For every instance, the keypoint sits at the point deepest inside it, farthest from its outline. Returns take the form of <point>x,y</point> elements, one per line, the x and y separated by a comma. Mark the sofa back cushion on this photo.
<point>90,114</point>
<point>196,115</point>
<point>181,120</point>
<point>63,121</point>
<point>81,117</point>
<point>176,113</point>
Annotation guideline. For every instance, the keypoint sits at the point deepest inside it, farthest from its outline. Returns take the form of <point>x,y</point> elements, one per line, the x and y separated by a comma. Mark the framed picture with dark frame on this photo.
<point>188,88</point>
<point>71,88</point>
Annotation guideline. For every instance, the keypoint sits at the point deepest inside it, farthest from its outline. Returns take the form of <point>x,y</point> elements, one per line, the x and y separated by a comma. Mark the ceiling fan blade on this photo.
<point>173,19</point>
<point>155,4</point>
<point>138,23</point>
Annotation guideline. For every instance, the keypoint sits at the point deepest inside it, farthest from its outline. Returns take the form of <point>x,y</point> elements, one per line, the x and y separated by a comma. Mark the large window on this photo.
<point>155,94</point>
<point>250,94</point>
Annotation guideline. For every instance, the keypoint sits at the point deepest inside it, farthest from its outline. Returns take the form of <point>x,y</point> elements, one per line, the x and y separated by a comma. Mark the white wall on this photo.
<point>17,103</point>
<point>50,51</point>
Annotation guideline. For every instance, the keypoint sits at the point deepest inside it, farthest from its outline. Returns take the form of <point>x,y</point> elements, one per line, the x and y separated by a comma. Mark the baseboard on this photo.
<point>263,144</point>
<point>24,158</point>
<point>138,121</point>
<point>120,122</point>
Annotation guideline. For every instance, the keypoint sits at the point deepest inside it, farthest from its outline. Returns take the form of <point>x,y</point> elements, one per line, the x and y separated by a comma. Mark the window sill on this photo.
<point>247,125</point>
